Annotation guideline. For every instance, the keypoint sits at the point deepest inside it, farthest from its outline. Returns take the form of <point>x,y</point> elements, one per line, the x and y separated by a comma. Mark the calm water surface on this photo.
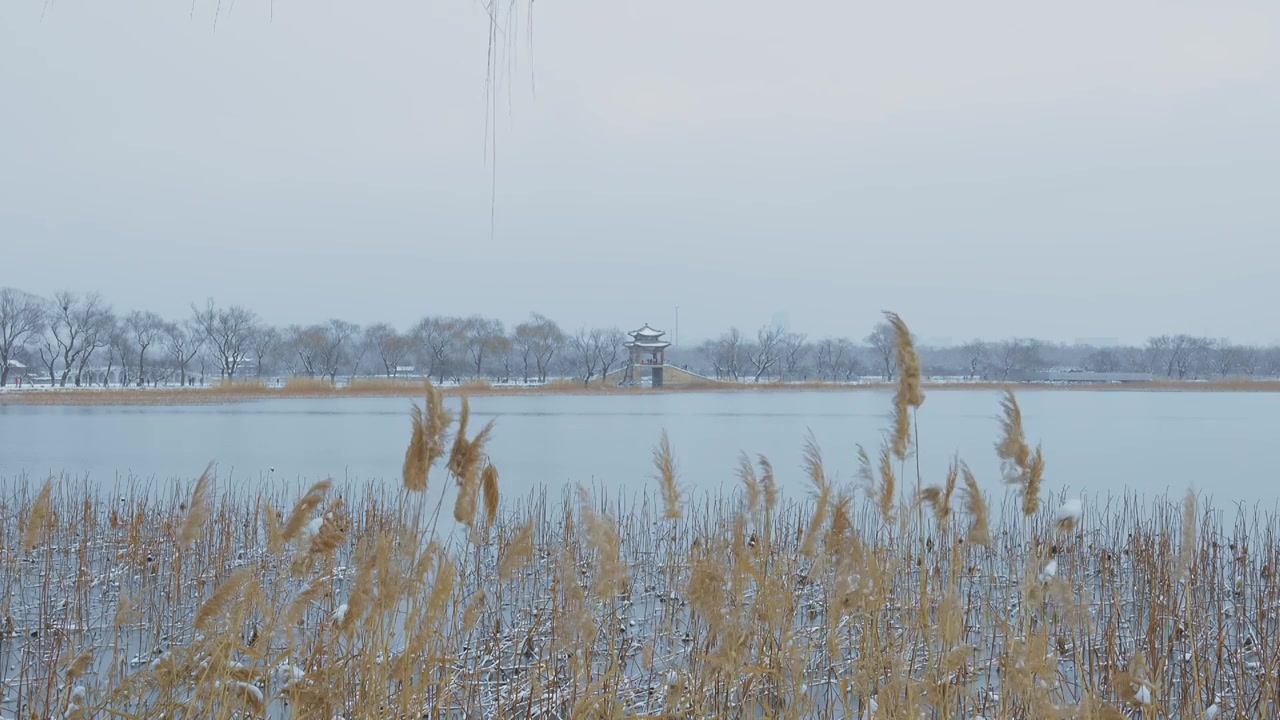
<point>1098,442</point>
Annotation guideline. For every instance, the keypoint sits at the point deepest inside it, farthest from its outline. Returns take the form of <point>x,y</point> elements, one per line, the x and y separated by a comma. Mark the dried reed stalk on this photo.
<point>750,483</point>
<point>1187,549</point>
<point>664,463</point>
<point>767,484</point>
<point>38,517</point>
<point>909,393</point>
<point>415,456</point>
<point>939,497</point>
<point>303,510</point>
<point>198,512</point>
<point>222,599</point>
<point>1019,464</point>
<point>821,494</point>
<point>975,504</point>
<point>489,490</point>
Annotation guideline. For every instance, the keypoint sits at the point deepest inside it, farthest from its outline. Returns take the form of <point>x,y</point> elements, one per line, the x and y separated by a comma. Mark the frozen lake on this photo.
<point>1098,442</point>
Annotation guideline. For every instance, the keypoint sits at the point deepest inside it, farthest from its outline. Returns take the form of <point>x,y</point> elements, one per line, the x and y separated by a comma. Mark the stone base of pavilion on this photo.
<point>672,376</point>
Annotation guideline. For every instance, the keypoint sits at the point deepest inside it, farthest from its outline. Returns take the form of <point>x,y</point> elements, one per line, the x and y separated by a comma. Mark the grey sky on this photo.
<point>1063,170</point>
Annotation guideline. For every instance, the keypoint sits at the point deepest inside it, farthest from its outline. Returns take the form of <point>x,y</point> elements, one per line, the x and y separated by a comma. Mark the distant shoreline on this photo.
<point>412,389</point>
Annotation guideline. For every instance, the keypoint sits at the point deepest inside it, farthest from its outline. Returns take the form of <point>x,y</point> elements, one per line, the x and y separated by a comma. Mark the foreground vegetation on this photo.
<point>888,597</point>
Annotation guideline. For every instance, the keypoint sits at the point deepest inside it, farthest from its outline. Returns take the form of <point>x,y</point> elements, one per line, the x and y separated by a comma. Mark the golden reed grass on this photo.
<point>665,463</point>
<point>908,394</point>
<point>352,601</point>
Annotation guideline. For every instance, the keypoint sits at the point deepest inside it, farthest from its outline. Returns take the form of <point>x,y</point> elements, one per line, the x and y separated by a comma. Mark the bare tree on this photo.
<point>264,343</point>
<point>302,344</point>
<point>585,352</point>
<point>185,340</point>
<point>481,337</point>
<point>794,350</point>
<point>1224,358</point>
<point>765,351</point>
<point>1250,359</point>
<point>96,338</point>
<point>1018,355</point>
<point>144,330</point>
<point>725,354</point>
<point>829,357</point>
<point>505,352</point>
<point>21,317</point>
<point>1137,360</point>
<point>228,333</point>
<point>608,344</point>
<point>1176,354</point>
<point>337,350</point>
<point>824,359</point>
<point>1269,362</point>
<point>77,326</point>
<point>882,341</point>
<point>320,350</point>
<point>848,360</point>
<point>354,351</point>
<point>1196,361</point>
<point>47,350</point>
<point>537,339</point>
<point>122,349</point>
<point>390,347</point>
<point>1103,360</point>
<point>977,358</point>
<point>438,338</point>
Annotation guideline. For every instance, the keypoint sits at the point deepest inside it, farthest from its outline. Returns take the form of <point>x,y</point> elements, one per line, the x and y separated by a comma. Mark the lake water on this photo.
<point>1098,442</point>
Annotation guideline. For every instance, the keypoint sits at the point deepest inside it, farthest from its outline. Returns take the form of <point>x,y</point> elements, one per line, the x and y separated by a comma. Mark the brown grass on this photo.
<point>239,392</point>
<point>306,386</point>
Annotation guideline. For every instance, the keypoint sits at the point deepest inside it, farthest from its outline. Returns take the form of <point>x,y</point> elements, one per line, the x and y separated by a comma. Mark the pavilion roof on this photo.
<point>647,332</point>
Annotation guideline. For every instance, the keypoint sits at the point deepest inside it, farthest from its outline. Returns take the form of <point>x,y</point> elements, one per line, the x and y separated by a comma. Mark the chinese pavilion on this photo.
<point>648,349</point>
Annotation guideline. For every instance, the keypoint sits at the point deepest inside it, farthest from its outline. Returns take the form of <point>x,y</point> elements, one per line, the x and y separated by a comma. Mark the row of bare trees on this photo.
<point>773,353</point>
<point>78,339</point>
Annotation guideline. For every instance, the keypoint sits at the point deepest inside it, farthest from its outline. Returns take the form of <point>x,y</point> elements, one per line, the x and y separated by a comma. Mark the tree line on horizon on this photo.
<point>78,339</point>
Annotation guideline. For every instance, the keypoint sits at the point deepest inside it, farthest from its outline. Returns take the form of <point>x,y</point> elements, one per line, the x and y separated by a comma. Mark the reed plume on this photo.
<point>909,392</point>
<point>1018,463</point>
<point>750,483</point>
<point>79,665</point>
<point>464,464</point>
<point>1012,448</point>
<point>1186,552</point>
<point>303,510</point>
<point>517,551</point>
<point>976,507</point>
<point>939,497</point>
<point>458,455</point>
<point>38,517</point>
<point>416,455</point>
<point>489,491</point>
<point>220,602</point>
<point>665,464</point>
<point>821,494</point>
<point>1031,490</point>
<point>198,512</point>
<point>767,484</point>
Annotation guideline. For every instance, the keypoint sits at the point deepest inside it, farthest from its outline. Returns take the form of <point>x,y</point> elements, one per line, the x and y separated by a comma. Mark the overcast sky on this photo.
<point>1063,170</point>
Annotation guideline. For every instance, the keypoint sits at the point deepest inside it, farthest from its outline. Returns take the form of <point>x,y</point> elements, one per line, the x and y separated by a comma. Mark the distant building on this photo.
<point>646,349</point>
<point>17,372</point>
